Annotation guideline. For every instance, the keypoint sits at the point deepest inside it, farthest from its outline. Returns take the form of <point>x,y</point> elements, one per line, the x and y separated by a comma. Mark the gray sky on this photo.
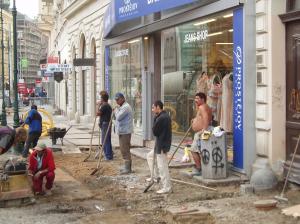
<point>27,7</point>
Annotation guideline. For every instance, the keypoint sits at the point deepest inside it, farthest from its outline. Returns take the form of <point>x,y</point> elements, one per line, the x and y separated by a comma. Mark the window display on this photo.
<point>125,75</point>
<point>198,57</point>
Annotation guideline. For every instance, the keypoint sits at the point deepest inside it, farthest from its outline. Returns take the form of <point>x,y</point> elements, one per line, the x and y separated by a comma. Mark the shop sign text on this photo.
<point>128,8</point>
<point>195,36</point>
<point>238,85</point>
<point>121,53</point>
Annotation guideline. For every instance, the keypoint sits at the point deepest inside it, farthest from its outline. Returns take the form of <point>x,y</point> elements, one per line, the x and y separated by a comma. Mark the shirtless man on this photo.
<point>200,123</point>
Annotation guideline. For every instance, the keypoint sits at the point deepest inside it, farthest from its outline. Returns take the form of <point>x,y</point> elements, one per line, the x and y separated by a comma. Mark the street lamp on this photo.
<point>16,103</point>
<point>3,120</point>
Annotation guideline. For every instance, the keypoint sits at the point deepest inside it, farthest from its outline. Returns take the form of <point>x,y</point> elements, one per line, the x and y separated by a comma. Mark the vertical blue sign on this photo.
<point>238,88</point>
<point>106,78</point>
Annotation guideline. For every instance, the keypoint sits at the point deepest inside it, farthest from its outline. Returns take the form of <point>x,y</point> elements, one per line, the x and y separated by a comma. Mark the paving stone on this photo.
<point>190,215</point>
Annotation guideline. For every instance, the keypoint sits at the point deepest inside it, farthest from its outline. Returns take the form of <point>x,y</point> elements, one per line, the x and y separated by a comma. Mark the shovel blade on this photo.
<point>148,187</point>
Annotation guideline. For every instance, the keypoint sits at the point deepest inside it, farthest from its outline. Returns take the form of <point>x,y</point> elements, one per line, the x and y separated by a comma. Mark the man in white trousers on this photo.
<point>162,131</point>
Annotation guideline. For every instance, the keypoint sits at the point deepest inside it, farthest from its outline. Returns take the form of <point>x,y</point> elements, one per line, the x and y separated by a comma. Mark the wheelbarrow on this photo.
<point>56,133</point>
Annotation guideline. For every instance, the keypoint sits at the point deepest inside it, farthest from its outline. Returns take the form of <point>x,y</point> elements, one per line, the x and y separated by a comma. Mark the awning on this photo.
<point>123,10</point>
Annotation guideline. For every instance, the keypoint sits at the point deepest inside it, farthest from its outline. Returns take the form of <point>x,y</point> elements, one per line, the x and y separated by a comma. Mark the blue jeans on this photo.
<point>107,147</point>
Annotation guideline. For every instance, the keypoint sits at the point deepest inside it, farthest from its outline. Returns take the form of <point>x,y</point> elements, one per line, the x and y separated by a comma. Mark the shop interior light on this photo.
<point>133,41</point>
<point>231,30</point>
<point>228,15</point>
<point>204,22</point>
<point>146,38</point>
<point>214,34</point>
<point>224,43</point>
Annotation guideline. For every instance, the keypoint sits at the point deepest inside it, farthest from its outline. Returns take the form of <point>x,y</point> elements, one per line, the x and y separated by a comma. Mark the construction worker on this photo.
<point>200,123</point>
<point>34,120</point>
<point>124,128</point>
<point>41,164</point>
<point>162,131</point>
<point>105,112</point>
<point>10,137</point>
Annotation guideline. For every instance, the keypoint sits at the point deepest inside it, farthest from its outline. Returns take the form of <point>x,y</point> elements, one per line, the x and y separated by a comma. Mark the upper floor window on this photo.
<point>293,5</point>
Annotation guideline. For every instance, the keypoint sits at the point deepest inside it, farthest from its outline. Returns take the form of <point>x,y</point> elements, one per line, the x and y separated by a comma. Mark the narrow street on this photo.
<point>108,197</point>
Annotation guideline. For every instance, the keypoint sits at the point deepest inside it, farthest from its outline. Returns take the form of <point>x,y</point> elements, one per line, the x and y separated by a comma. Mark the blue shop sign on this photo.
<point>123,10</point>
<point>238,89</point>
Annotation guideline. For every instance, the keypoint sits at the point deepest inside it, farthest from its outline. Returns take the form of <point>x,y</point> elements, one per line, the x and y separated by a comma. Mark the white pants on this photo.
<point>161,168</point>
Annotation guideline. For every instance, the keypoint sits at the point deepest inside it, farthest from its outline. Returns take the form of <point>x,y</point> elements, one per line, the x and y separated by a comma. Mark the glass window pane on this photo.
<point>188,50</point>
<point>125,75</point>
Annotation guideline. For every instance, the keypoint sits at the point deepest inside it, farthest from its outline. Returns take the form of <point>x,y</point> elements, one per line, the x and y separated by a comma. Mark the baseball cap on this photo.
<point>119,95</point>
<point>40,147</point>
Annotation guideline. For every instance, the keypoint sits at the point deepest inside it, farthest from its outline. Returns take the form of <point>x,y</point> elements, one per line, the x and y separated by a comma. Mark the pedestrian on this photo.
<point>200,123</point>
<point>124,128</point>
<point>41,165</point>
<point>34,120</point>
<point>10,137</point>
<point>162,130</point>
<point>105,112</point>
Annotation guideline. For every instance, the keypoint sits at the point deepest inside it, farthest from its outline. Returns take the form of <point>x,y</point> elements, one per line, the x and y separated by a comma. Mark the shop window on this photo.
<point>126,76</point>
<point>293,5</point>
<point>198,58</point>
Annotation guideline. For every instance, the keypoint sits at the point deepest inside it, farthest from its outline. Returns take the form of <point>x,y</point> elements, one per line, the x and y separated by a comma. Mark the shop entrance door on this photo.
<point>292,86</point>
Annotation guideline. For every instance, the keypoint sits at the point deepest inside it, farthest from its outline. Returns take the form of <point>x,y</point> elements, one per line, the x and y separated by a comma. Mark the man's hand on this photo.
<point>37,175</point>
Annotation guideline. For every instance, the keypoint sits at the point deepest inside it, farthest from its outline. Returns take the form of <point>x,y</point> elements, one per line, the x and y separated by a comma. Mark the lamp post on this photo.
<point>3,120</point>
<point>16,103</point>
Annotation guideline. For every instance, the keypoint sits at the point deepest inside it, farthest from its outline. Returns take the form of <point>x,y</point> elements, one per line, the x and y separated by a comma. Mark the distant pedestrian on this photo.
<point>34,120</point>
<point>105,112</point>
<point>124,128</point>
<point>10,137</point>
<point>162,130</point>
<point>41,164</point>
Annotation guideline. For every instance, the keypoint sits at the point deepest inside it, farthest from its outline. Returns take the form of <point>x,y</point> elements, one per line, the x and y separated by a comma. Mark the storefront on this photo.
<point>173,49</point>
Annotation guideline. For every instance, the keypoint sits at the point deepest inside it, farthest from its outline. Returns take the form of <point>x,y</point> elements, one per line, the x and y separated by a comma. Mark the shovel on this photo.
<point>187,132</point>
<point>152,172</point>
<point>281,196</point>
<point>91,141</point>
<point>101,147</point>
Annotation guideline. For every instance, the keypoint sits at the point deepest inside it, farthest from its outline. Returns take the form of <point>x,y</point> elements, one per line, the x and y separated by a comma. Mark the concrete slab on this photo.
<point>70,150</point>
<point>230,180</point>
<point>68,188</point>
<point>189,215</point>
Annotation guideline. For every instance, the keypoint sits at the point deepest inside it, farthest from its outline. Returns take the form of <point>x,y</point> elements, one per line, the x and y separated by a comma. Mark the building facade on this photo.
<point>29,49</point>
<point>77,35</point>
<point>170,50</point>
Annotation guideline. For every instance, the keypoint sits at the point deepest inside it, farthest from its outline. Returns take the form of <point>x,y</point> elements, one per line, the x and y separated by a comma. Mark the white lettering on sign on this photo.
<point>152,1</point>
<point>121,53</point>
<point>195,36</point>
<point>238,85</point>
<point>128,8</point>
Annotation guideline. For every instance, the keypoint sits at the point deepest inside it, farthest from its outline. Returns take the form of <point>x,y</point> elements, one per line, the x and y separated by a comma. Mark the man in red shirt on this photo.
<point>41,164</point>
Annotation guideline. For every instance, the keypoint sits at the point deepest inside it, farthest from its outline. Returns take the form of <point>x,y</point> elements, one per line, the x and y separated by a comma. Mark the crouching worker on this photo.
<point>41,164</point>
<point>10,137</point>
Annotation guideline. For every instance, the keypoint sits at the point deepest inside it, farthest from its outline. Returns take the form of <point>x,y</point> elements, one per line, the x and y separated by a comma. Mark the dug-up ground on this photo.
<point>79,198</point>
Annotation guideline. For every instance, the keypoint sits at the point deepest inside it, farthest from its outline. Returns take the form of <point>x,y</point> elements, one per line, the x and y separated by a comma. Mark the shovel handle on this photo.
<point>186,133</point>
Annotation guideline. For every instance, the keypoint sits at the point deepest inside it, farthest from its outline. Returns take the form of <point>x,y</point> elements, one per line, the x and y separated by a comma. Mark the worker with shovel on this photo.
<point>124,128</point>
<point>162,131</point>
<point>105,112</point>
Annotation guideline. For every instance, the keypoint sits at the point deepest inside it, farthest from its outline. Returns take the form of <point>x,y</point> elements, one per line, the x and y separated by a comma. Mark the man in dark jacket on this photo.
<point>162,131</point>
<point>34,120</point>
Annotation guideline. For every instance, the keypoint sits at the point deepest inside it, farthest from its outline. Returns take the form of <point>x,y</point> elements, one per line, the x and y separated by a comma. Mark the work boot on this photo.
<point>127,167</point>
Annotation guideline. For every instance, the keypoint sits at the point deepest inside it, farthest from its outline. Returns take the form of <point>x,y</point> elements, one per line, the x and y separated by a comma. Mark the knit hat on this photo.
<point>40,147</point>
